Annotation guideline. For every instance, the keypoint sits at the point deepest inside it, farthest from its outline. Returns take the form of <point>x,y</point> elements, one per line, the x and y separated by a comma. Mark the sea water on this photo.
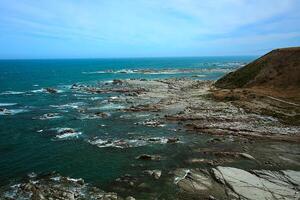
<point>32,142</point>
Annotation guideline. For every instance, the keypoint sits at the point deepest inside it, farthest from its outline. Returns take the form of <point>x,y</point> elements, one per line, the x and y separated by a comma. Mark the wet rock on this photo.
<point>5,111</point>
<point>53,186</point>
<point>75,86</point>
<point>215,140</point>
<point>102,114</point>
<point>148,157</point>
<point>130,198</point>
<point>192,181</point>
<point>49,116</point>
<point>154,173</point>
<point>173,140</point>
<point>117,82</point>
<point>66,133</point>
<point>66,130</point>
<point>144,186</point>
<point>152,123</point>
<point>51,90</point>
<point>210,197</point>
<point>202,161</point>
<point>248,156</point>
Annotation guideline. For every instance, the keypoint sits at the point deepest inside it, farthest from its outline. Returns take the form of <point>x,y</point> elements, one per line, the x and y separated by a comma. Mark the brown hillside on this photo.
<point>278,70</point>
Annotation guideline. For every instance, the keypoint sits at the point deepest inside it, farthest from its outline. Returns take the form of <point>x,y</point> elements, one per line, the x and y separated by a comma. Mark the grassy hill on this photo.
<point>279,69</point>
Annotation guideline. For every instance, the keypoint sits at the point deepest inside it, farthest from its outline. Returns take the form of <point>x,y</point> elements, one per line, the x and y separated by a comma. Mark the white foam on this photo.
<point>12,111</point>
<point>50,116</point>
<point>74,105</point>
<point>113,98</point>
<point>7,104</point>
<point>38,91</point>
<point>68,135</point>
<point>128,143</point>
<point>96,72</point>
<point>111,106</point>
<point>95,98</point>
<point>11,93</point>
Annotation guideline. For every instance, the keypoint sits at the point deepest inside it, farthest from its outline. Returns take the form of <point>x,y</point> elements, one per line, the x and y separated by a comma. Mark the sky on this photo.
<point>145,28</point>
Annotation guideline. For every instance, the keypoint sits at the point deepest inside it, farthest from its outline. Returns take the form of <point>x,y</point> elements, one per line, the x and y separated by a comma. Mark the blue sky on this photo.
<point>146,28</point>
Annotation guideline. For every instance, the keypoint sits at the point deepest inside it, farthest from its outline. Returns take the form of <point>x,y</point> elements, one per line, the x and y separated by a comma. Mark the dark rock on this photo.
<point>148,157</point>
<point>154,173</point>
<point>51,90</point>
<point>67,130</point>
<point>117,82</point>
<point>102,114</point>
<point>173,140</point>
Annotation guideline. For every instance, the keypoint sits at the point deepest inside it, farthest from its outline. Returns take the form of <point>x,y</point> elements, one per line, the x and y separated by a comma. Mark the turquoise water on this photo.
<point>29,144</point>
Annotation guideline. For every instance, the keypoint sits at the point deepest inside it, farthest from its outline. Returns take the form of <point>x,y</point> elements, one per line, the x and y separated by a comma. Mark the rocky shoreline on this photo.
<point>234,135</point>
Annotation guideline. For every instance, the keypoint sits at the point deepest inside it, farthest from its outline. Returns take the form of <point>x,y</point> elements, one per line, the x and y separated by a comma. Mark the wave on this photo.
<point>96,72</point>
<point>220,67</point>
<point>111,106</point>
<point>96,98</point>
<point>129,143</point>
<point>74,105</point>
<point>120,143</point>
<point>7,104</point>
<point>37,91</point>
<point>66,133</point>
<point>12,111</point>
<point>43,90</point>
<point>11,93</point>
<point>50,116</point>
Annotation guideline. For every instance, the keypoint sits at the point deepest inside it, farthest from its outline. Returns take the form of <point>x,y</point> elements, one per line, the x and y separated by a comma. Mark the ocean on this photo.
<point>32,141</point>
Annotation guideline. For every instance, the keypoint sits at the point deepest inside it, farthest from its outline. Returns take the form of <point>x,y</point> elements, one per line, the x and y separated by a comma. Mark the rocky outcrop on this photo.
<point>234,183</point>
<point>55,186</point>
<point>259,184</point>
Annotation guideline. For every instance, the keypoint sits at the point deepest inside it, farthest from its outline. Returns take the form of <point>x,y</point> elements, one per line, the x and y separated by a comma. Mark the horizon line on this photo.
<point>142,57</point>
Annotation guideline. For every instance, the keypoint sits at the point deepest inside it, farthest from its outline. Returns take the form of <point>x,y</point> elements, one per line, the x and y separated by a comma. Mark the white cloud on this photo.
<point>157,24</point>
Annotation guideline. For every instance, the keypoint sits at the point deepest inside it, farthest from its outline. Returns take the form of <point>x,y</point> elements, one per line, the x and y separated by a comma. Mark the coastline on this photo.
<point>237,141</point>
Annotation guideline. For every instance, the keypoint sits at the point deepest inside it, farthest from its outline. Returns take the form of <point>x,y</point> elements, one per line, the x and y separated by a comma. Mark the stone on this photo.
<point>130,198</point>
<point>259,184</point>
<point>51,90</point>
<point>173,140</point>
<point>154,173</point>
<point>248,156</point>
<point>53,186</point>
<point>102,114</point>
<point>192,181</point>
<point>148,157</point>
<point>210,197</point>
<point>67,130</point>
<point>117,82</point>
